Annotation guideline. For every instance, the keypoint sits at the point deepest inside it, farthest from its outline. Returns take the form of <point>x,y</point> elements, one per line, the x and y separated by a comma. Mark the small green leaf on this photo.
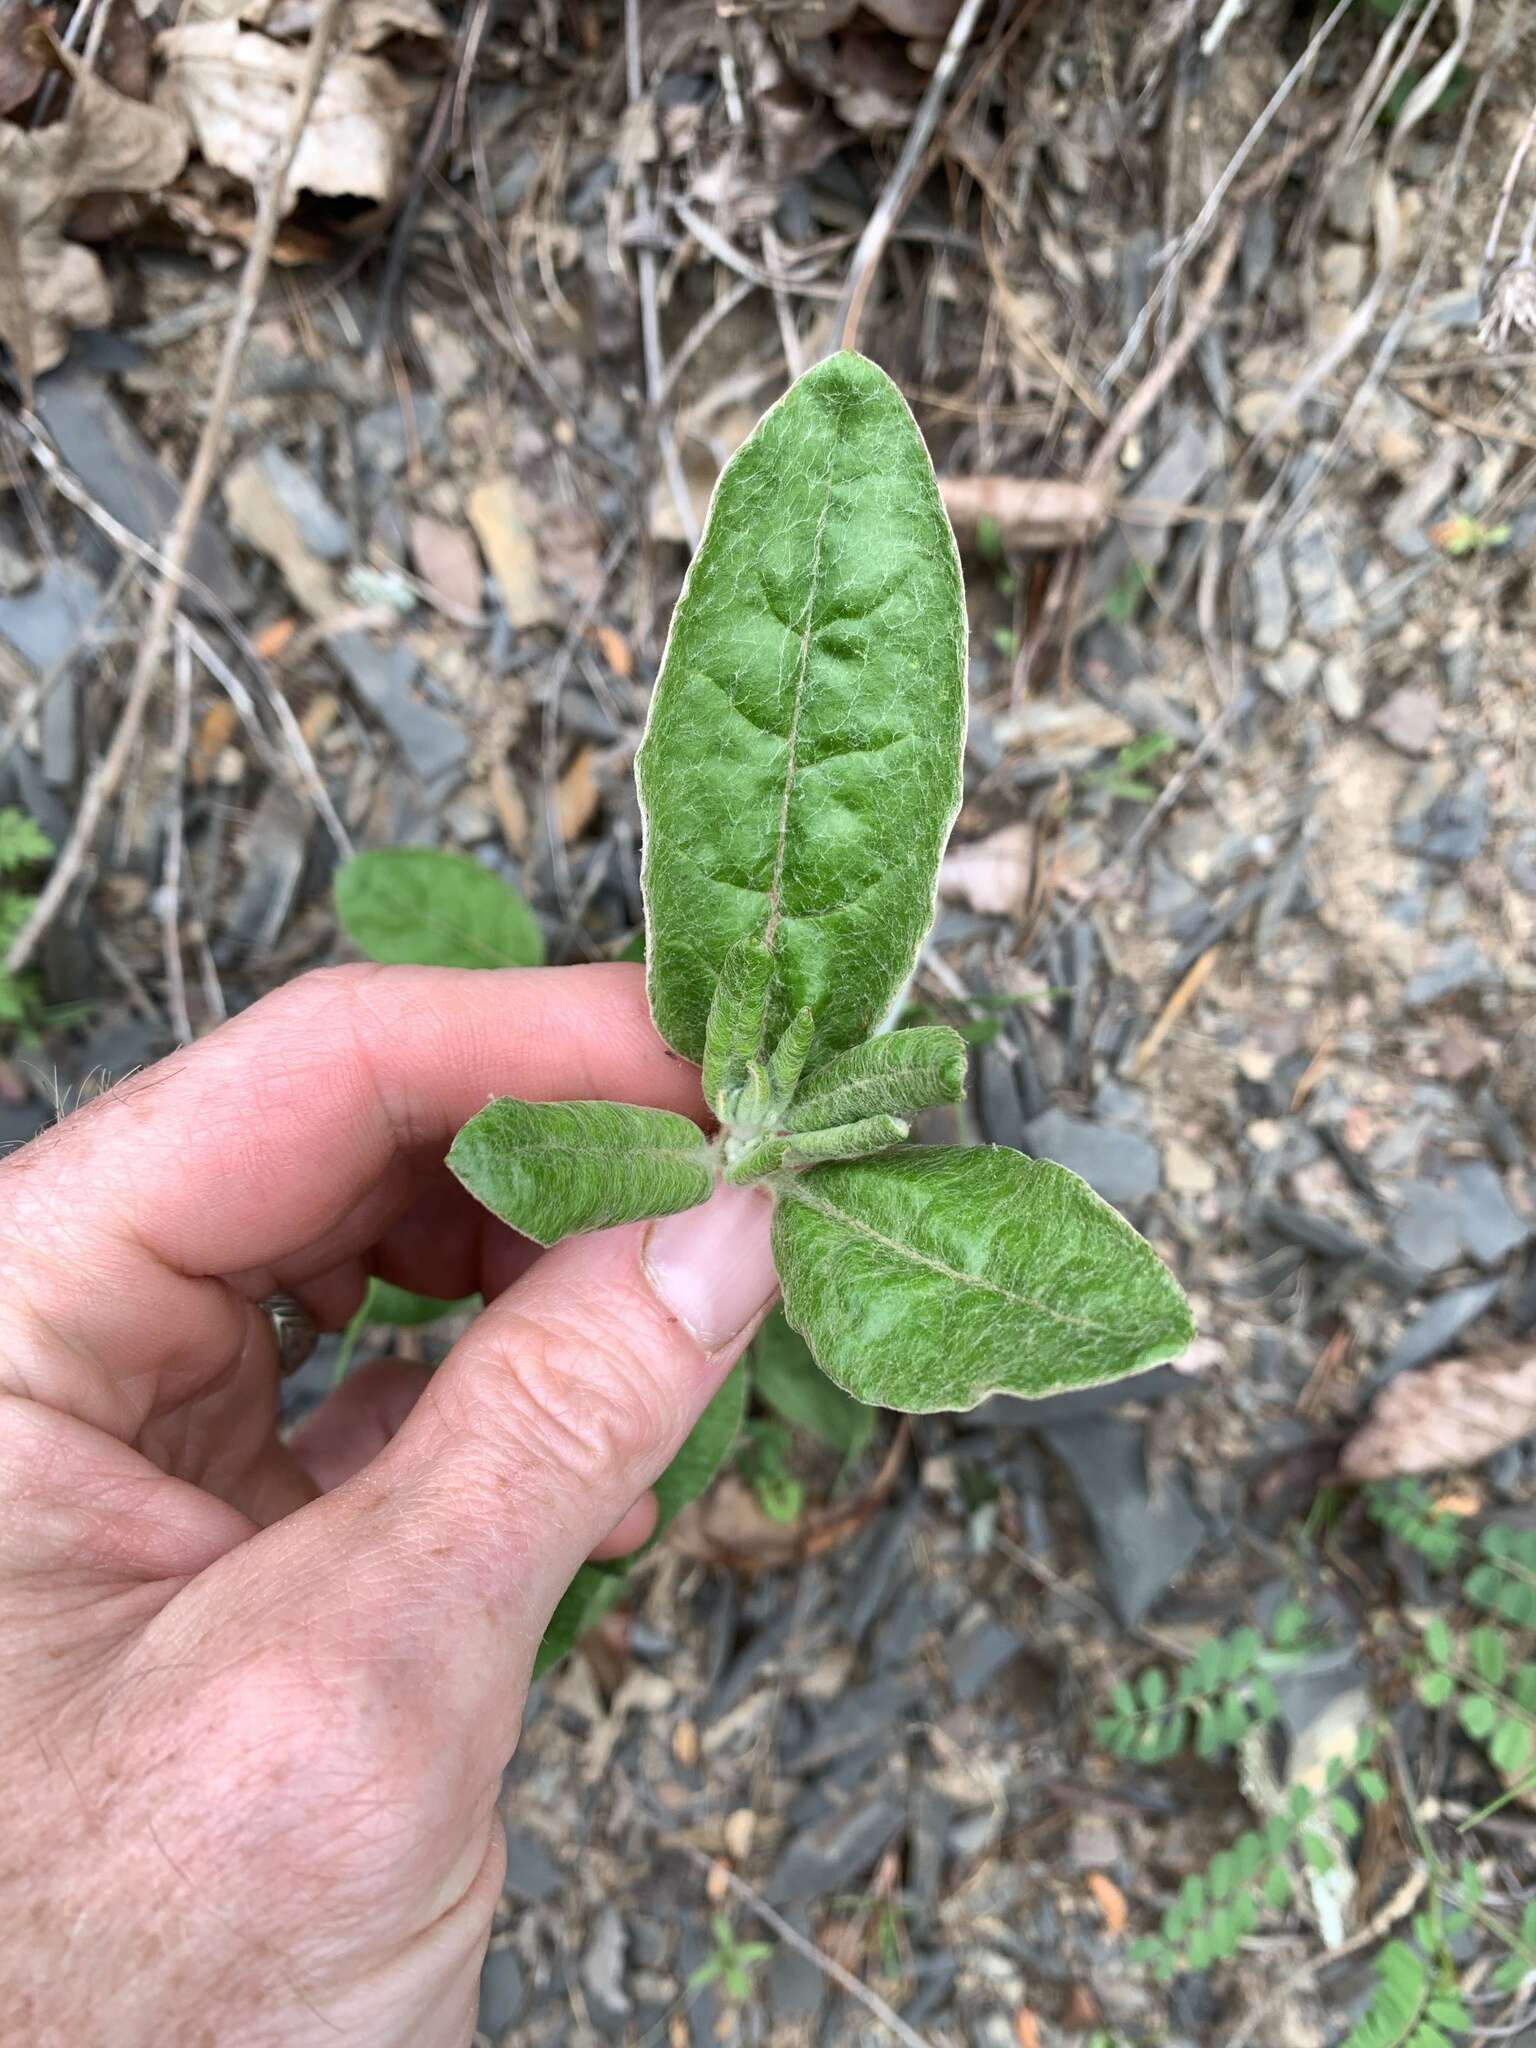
<point>1511,1747</point>
<point>787,1062</point>
<point>1153,1687</point>
<point>1488,1652</point>
<point>860,1140</point>
<point>401,1310</point>
<point>1437,1641</point>
<point>1290,1624</point>
<point>786,1377</point>
<point>1344,1818</point>
<point>1277,1887</point>
<point>897,1074</point>
<point>929,1278</point>
<point>738,1013</point>
<point>23,842</point>
<point>1318,1854</point>
<point>1436,1688</point>
<point>801,765</point>
<point>412,906</point>
<point>550,1169</point>
<point>1477,1716</point>
<point>1373,1787</point>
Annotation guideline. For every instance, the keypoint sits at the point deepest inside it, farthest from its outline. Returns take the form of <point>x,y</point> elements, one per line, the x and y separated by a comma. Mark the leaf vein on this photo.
<point>813,584</point>
<point>894,1245</point>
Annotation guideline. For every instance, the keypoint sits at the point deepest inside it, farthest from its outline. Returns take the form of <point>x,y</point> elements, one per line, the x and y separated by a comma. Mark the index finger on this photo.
<point>305,1111</point>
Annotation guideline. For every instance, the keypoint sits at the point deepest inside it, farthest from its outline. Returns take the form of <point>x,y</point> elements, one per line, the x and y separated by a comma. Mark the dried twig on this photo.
<point>170,878</point>
<point>650,320</point>
<point>845,1980</point>
<point>110,769</point>
<point>898,188</point>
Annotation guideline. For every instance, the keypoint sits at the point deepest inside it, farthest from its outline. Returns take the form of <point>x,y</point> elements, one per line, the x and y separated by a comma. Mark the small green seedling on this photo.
<point>798,778</point>
<point>23,845</point>
<point>731,1963</point>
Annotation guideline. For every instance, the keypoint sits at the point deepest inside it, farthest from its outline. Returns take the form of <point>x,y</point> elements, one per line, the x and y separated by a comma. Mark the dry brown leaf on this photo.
<point>502,517</point>
<point>1455,1413</point>
<point>577,797</point>
<point>511,811</point>
<point>1110,1900</point>
<point>615,650</point>
<point>1026,2028</point>
<point>448,562</point>
<point>994,877</point>
<point>49,286</point>
<point>22,70</point>
<point>1030,512</point>
<point>237,89</point>
<point>258,516</point>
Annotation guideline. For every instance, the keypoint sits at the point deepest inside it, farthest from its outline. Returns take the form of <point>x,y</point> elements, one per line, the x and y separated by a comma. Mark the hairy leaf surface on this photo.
<point>414,907</point>
<point>551,1169</point>
<point>894,1075</point>
<point>801,765</point>
<point>933,1277</point>
<point>596,1587</point>
<point>786,1378</point>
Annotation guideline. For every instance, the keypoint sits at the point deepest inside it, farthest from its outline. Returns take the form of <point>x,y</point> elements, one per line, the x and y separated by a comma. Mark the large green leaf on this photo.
<point>788,1380</point>
<point>395,1308</point>
<point>897,1074</point>
<point>801,765</point>
<point>931,1278</point>
<point>596,1587</point>
<point>551,1169</point>
<point>411,906</point>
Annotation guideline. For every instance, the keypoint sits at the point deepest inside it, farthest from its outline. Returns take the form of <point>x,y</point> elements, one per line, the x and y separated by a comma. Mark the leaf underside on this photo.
<point>597,1588</point>
<point>801,765</point>
<point>897,1074</point>
<point>930,1278</point>
<point>413,906</point>
<point>552,1169</point>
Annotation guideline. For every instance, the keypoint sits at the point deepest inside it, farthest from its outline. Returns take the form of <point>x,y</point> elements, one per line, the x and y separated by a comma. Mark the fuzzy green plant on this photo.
<point>1481,1672</point>
<point>24,848</point>
<point>798,778</point>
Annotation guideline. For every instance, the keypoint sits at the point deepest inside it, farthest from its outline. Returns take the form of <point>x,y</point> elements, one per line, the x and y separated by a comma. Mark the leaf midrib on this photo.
<point>792,738</point>
<point>905,1251</point>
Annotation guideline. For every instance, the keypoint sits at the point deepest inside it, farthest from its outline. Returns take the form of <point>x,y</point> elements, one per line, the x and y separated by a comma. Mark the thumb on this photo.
<point>443,1561</point>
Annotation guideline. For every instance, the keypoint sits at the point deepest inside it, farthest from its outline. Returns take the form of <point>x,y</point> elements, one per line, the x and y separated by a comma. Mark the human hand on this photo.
<point>256,1698</point>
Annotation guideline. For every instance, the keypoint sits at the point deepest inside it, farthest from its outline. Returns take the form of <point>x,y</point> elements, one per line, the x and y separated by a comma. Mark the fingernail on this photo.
<point>712,1267</point>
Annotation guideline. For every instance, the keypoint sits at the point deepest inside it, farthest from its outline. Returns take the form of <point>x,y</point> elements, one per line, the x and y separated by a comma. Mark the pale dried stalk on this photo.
<point>109,771</point>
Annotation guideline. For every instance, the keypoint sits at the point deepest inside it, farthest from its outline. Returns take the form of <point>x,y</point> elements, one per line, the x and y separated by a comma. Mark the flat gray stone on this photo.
<point>1491,1227</point>
<point>1271,596</point>
<point>1122,1166</point>
<point>1144,1540</point>
<point>533,1875</point>
<point>432,744</point>
<point>1454,827</point>
<point>106,451</point>
<point>502,1993</point>
<point>797,1988</point>
<point>320,526</point>
<point>835,1854</point>
<point>1438,1328</point>
<point>843,1725</point>
<point>383,443</point>
<point>1427,1227</point>
<point>1317,577</point>
<point>1459,966</point>
<point>979,1655</point>
<point>47,621</point>
<point>45,625</point>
